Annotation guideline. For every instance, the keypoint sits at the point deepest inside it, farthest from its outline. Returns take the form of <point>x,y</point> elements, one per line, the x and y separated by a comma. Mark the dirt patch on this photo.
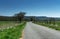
<point>22,35</point>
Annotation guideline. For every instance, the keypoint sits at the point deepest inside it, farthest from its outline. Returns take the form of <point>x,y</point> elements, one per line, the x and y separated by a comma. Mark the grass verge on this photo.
<point>49,25</point>
<point>12,33</point>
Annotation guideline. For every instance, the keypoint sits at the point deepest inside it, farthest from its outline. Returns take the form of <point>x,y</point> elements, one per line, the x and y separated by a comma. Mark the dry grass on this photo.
<point>22,35</point>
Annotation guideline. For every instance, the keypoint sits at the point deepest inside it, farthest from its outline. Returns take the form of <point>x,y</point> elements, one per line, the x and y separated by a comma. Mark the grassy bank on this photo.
<point>56,27</point>
<point>12,33</point>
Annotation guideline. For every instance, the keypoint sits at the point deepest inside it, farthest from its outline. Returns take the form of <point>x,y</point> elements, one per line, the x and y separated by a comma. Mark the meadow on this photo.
<point>11,30</point>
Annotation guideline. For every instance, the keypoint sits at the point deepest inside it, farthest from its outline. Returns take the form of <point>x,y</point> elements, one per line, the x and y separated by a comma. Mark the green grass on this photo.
<point>12,33</point>
<point>6,22</point>
<point>3,22</point>
<point>50,26</point>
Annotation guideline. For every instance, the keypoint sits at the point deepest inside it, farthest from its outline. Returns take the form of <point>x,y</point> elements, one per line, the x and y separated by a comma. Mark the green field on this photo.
<point>56,26</point>
<point>7,22</point>
<point>12,33</point>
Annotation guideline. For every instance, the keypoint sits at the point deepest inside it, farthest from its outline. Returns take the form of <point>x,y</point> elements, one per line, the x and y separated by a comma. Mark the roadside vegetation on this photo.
<point>12,33</point>
<point>49,22</point>
<point>56,27</point>
<point>12,27</point>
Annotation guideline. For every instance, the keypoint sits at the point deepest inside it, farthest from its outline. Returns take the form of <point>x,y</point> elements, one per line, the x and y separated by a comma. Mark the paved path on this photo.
<point>34,31</point>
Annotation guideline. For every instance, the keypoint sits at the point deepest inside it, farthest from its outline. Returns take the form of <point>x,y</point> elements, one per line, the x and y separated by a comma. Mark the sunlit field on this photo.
<point>11,30</point>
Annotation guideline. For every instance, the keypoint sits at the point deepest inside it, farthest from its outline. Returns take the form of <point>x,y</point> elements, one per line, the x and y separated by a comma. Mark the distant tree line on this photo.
<point>17,17</point>
<point>49,20</point>
<point>21,17</point>
<point>6,18</point>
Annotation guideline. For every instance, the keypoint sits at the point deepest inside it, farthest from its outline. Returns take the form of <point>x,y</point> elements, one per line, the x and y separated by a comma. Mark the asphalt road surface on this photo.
<point>34,31</point>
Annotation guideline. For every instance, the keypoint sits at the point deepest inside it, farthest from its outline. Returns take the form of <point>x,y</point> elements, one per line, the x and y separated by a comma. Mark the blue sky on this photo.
<point>50,8</point>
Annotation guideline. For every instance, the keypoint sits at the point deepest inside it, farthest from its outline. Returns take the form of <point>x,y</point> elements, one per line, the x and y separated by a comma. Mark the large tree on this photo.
<point>20,16</point>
